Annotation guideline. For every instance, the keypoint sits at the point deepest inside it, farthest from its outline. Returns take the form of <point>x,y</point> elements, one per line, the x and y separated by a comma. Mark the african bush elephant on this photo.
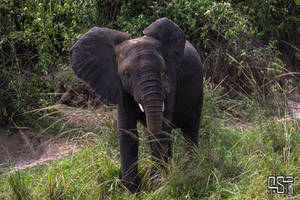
<point>155,79</point>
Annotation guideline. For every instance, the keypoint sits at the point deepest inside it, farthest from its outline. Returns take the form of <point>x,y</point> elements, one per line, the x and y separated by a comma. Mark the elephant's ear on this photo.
<point>93,60</point>
<point>171,37</point>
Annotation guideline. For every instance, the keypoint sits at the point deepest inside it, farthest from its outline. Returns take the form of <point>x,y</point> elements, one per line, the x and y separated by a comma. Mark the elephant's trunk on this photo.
<point>152,101</point>
<point>153,111</point>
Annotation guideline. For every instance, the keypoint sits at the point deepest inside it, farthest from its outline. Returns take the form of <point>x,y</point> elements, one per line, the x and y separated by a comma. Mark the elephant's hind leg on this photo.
<point>161,145</point>
<point>191,131</point>
<point>161,149</point>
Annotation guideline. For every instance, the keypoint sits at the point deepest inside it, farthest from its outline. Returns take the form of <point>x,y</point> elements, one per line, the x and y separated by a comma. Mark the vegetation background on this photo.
<point>247,46</point>
<point>251,55</point>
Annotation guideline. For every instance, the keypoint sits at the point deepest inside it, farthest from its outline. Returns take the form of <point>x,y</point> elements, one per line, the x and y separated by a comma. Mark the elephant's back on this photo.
<point>189,93</point>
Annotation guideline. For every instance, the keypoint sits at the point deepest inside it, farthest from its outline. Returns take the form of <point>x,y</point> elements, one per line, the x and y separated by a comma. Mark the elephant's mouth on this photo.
<point>142,109</point>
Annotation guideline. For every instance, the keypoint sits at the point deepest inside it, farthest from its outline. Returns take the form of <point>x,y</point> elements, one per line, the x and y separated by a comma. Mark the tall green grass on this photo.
<point>236,154</point>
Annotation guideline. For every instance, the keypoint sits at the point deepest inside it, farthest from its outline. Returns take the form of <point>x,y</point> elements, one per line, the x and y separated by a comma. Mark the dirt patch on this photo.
<point>27,148</point>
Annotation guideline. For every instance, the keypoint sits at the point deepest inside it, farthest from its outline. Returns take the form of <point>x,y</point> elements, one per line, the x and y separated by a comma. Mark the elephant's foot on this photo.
<point>132,185</point>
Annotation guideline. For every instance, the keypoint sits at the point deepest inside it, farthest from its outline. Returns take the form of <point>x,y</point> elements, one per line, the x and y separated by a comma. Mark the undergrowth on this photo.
<point>233,160</point>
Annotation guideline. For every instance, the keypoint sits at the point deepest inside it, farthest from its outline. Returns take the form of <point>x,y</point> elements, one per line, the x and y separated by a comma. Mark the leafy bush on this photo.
<point>35,40</point>
<point>271,17</point>
<point>236,39</point>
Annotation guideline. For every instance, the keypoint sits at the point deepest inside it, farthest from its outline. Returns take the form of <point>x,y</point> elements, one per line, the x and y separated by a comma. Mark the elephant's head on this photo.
<point>141,67</point>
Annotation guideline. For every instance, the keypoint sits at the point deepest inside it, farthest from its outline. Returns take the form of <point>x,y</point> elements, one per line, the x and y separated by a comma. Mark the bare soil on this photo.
<point>25,148</point>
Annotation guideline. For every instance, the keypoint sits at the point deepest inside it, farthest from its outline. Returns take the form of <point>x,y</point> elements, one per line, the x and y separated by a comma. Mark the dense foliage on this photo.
<point>35,40</point>
<point>245,45</point>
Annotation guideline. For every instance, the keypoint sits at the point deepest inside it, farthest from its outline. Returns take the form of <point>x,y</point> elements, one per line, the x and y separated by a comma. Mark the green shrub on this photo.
<point>35,41</point>
<point>270,17</point>
<point>236,39</point>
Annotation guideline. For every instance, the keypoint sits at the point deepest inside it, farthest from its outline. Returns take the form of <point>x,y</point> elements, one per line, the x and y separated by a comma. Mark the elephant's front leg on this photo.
<point>128,145</point>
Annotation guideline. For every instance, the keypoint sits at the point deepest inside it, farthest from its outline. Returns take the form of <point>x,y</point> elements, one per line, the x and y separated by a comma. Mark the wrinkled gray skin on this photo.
<point>160,69</point>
